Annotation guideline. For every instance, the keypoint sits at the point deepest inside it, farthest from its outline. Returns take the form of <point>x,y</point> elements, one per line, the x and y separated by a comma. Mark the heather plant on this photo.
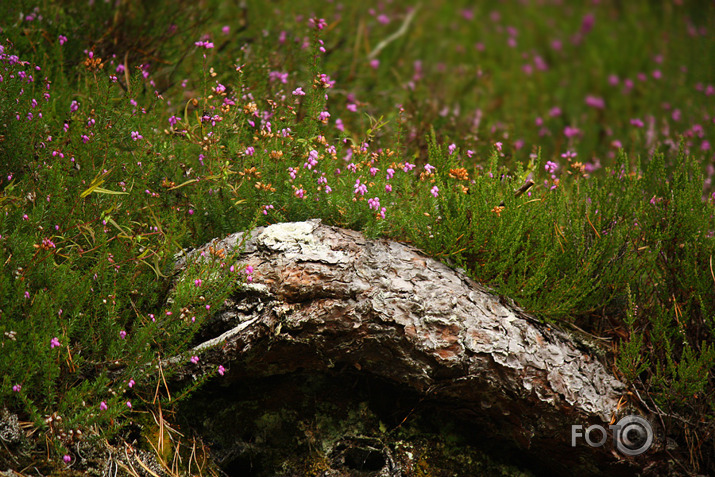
<point>119,151</point>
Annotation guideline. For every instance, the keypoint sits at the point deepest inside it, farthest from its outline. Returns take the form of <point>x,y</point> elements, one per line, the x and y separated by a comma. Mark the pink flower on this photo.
<point>551,167</point>
<point>374,64</point>
<point>318,23</point>
<point>498,145</point>
<point>122,334</point>
<point>129,404</point>
<point>204,44</point>
<point>429,168</point>
<point>62,39</point>
<point>636,122</point>
<point>67,459</point>
<point>595,102</point>
<point>221,370</point>
<point>16,388</point>
<point>587,23</point>
<point>131,383</point>
<point>102,406</point>
<point>298,92</point>
<point>325,81</point>
<point>195,359</point>
<point>451,148</point>
<point>54,342</point>
<point>570,131</point>
<point>359,188</point>
<point>435,191</point>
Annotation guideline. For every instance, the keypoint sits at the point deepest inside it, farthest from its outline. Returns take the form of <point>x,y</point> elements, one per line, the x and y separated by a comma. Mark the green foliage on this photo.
<point>132,143</point>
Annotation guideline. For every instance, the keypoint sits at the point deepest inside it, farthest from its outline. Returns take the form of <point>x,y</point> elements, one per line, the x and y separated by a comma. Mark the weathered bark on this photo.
<point>324,297</point>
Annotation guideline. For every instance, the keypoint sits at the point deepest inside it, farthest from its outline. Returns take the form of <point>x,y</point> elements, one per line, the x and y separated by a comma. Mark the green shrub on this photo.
<point>150,131</point>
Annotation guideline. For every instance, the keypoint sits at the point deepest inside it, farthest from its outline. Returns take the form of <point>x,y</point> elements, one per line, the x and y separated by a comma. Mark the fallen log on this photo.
<point>324,298</point>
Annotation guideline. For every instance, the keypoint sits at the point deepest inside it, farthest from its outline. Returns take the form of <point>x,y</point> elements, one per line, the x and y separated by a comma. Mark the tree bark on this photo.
<point>324,297</point>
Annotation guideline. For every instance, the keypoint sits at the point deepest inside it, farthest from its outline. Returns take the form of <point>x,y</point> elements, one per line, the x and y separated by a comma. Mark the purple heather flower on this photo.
<point>595,102</point>
<point>636,122</point>
<point>359,188</point>
<point>204,44</point>
<point>570,131</point>
<point>318,23</point>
